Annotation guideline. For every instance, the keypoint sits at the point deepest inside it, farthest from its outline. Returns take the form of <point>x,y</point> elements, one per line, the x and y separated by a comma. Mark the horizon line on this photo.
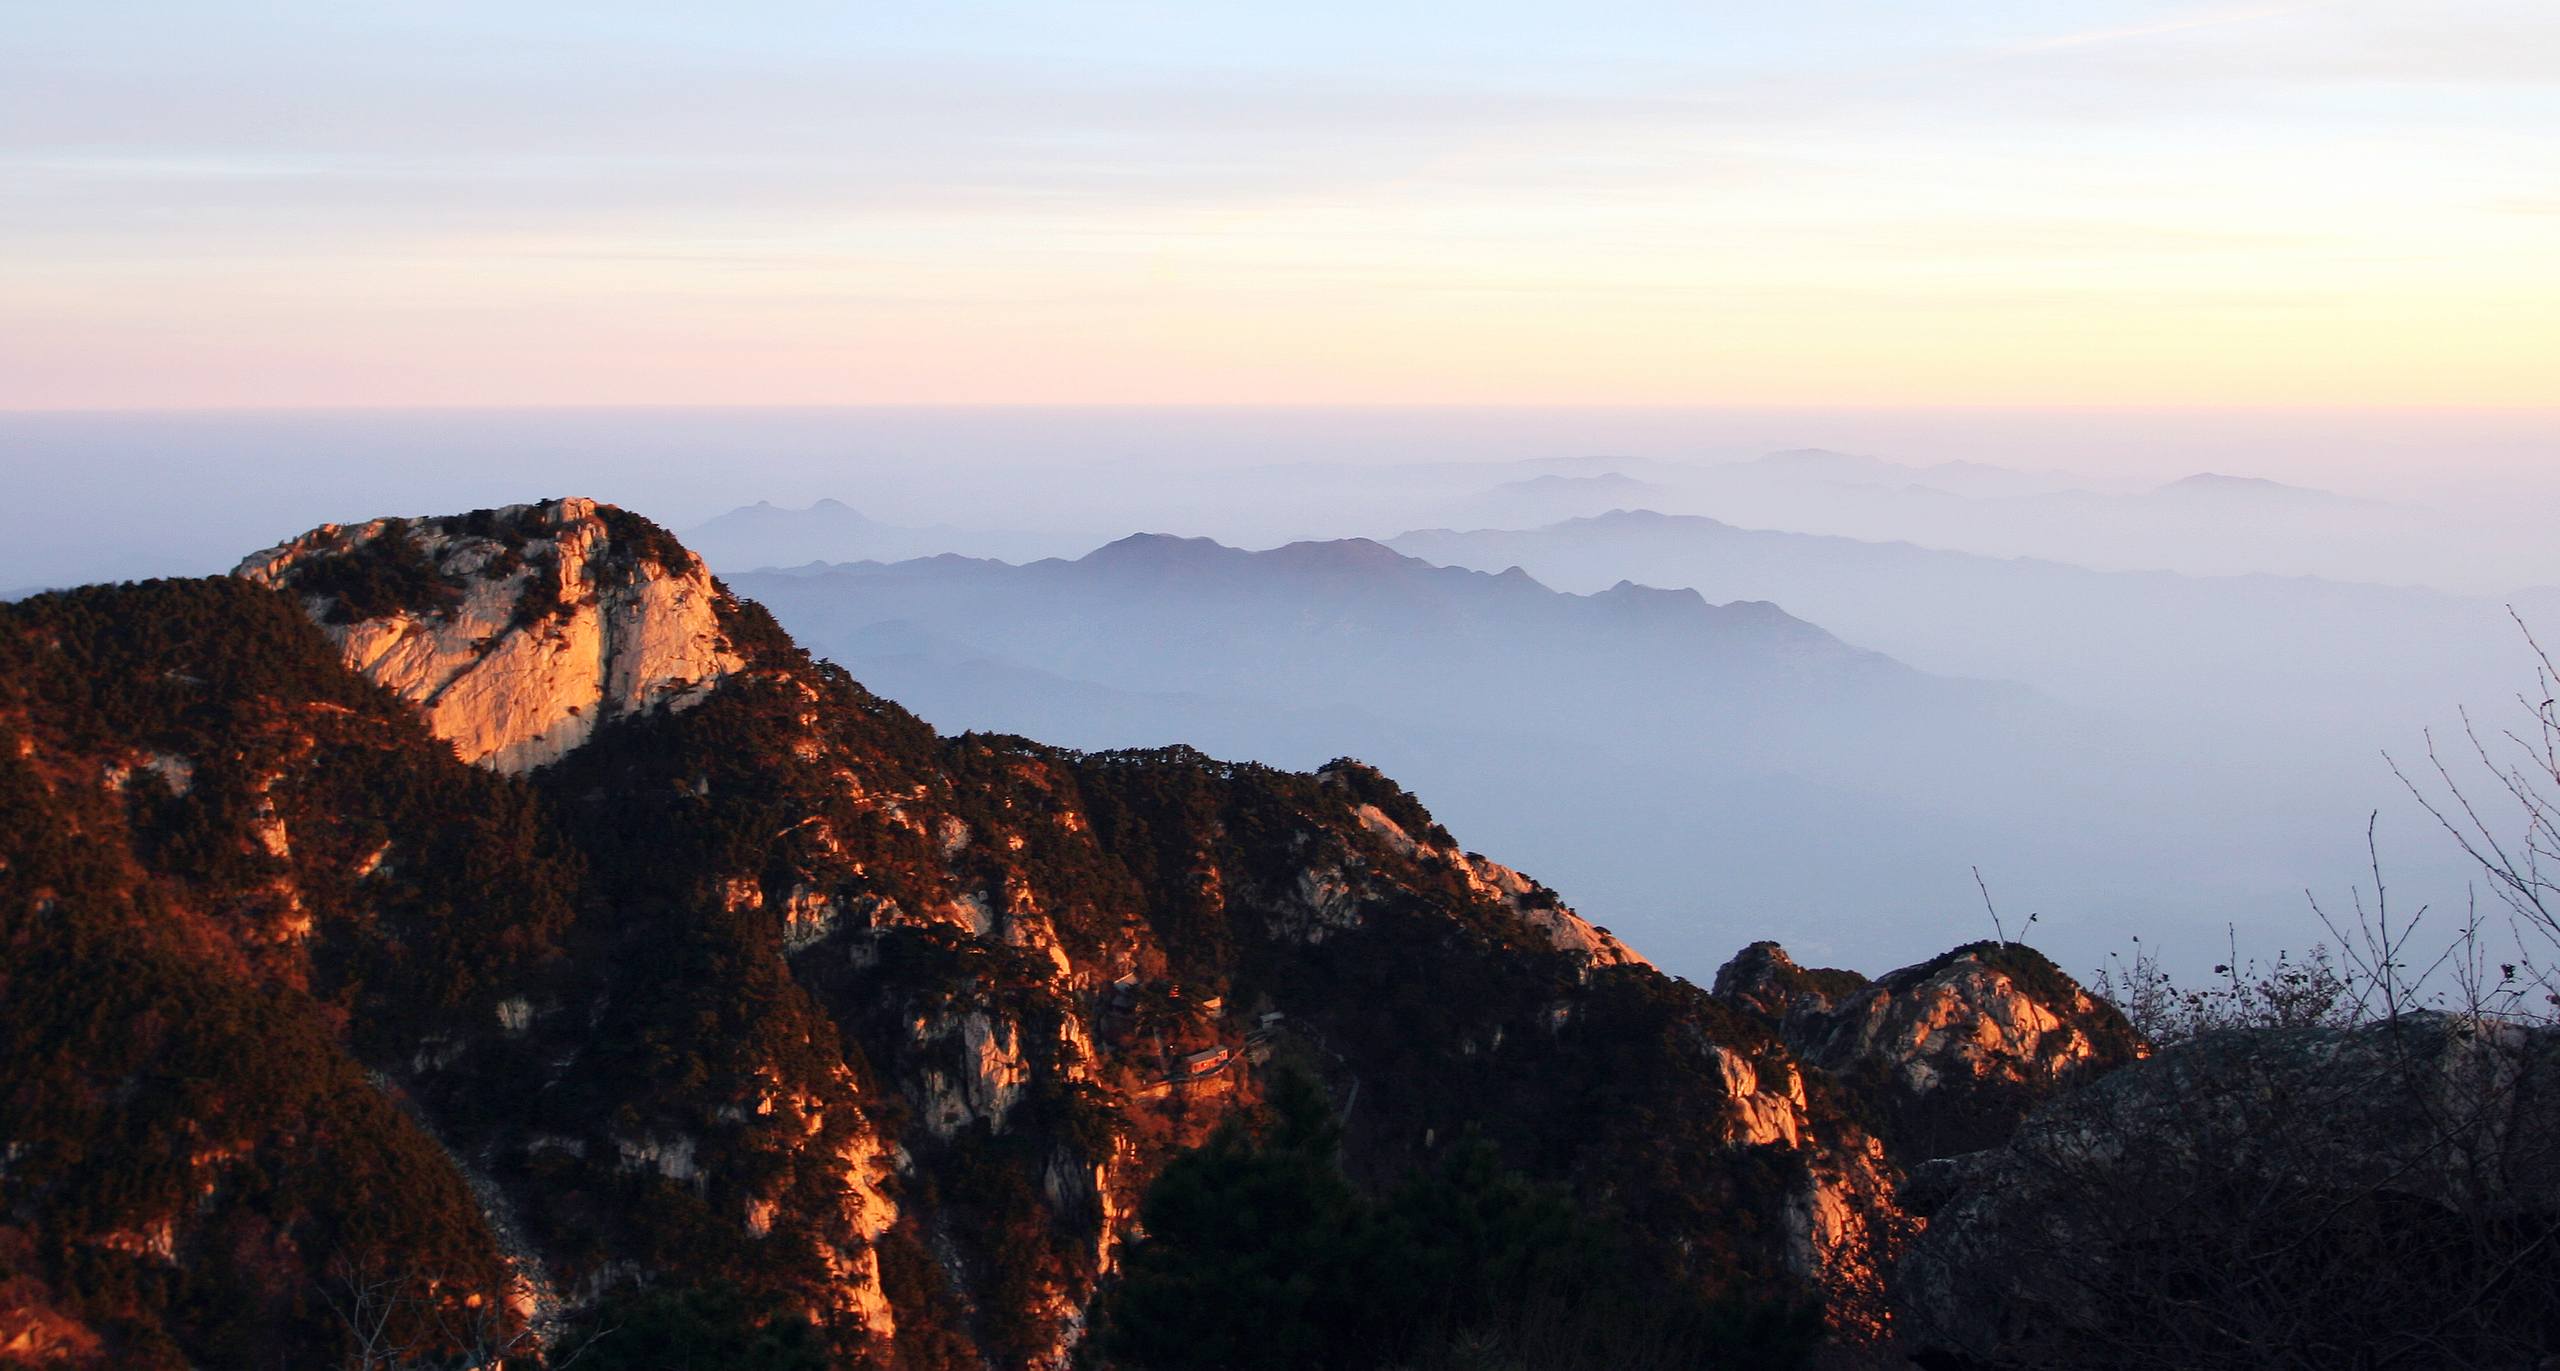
<point>1346,406</point>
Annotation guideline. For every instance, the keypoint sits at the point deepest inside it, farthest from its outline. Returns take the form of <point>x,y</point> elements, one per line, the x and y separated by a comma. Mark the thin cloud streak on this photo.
<point>2127,33</point>
<point>1836,202</point>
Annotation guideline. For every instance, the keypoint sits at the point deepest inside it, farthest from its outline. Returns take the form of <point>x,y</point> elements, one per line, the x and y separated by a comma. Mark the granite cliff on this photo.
<point>515,633</point>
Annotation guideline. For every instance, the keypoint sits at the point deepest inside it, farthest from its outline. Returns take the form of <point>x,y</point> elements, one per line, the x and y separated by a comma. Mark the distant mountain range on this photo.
<point>1610,485</point>
<point>1799,778</point>
<point>2207,485</point>
<point>1848,468</point>
<point>1649,716</point>
<point>1353,624</point>
<point>1981,480</point>
<point>2208,523</point>
<point>2271,650</point>
<point>768,535</point>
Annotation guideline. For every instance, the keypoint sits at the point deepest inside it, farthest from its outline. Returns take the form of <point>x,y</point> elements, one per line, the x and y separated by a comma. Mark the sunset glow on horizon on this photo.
<point>2065,203</point>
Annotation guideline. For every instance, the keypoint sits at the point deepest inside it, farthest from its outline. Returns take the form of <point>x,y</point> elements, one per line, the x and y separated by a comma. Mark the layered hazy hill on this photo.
<point>1556,495</point>
<point>722,983</point>
<point>1681,765</point>
<point>2284,652</point>
<point>2220,522</point>
<point>2465,492</point>
<point>1686,769</point>
<point>765,535</point>
<point>1354,624</point>
<point>1824,467</point>
<point>2206,524</point>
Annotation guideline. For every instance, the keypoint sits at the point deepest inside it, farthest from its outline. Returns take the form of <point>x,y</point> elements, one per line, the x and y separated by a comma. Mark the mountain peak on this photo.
<point>2214,484</point>
<point>1681,599</point>
<point>1642,519</point>
<point>515,630</point>
<point>1159,550</point>
<point>1338,554</point>
<point>1165,551</point>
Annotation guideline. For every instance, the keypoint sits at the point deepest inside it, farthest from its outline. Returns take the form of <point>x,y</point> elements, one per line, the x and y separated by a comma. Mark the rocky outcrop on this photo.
<point>984,1078</point>
<point>717,968</point>
<point>1952,1052</point>
<point>1565,930</point>
<point>2311,1197</point>
<point>1940,1057</point>
<point>1763,979</point>
<point>515,631</point>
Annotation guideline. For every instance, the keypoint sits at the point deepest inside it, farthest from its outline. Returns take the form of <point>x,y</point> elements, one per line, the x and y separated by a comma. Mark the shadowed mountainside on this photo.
<point>756,982</point>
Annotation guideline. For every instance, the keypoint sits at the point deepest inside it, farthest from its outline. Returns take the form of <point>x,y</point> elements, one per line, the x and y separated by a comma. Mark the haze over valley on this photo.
<point>1097,686</point>
<point>1824,706</point>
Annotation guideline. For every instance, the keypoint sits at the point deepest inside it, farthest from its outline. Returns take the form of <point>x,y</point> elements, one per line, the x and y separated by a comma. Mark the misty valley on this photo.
<point>507,938</point>
<point>1070,685</point>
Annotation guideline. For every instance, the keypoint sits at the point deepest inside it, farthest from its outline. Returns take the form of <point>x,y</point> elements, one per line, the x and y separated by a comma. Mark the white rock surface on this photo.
<point>631,635</point>
<point>992,1076</point>
<point>1567,930</point>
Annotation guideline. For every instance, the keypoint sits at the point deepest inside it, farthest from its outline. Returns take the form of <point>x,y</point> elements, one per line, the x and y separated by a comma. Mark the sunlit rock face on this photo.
<point>1762,978</point>
<point>515,631</point>
<point>1524,897</point>
<point>1942,1057</point>
<point>988,1080</point>
<point>1953,1052</point>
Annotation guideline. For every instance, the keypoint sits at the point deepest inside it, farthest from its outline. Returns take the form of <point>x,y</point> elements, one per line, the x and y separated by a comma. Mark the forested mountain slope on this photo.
<point>720,979</point>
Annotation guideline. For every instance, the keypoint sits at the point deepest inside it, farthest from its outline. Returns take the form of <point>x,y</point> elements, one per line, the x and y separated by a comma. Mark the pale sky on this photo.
<point>227,203</point>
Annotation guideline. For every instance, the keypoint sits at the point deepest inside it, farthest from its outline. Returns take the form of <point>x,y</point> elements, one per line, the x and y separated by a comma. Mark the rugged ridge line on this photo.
<point>716,965</point>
